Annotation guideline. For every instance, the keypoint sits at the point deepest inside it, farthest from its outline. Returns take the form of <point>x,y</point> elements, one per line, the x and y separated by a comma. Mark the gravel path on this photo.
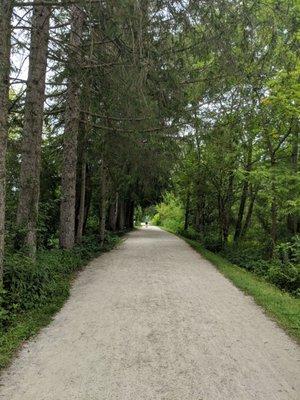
<point>152,320</point>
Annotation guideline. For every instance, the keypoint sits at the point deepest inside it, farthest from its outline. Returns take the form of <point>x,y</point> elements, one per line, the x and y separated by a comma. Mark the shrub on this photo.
<point>245,254</point>
<point>212,242</point>
<point>279,271</point>
<point>170,213</point>
<point>156,220</point>
<point>289,251</point>
<point>190,233</point>
<point>286,276</point>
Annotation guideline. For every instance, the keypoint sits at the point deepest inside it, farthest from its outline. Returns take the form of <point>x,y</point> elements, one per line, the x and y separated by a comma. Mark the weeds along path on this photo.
<point>152,320</point>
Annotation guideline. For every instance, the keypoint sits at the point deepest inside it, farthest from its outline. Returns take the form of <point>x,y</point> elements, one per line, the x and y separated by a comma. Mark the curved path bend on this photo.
<point>152,320</point>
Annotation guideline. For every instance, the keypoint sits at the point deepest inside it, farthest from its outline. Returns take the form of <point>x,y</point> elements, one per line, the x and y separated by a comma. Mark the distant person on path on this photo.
<point>146,222</point>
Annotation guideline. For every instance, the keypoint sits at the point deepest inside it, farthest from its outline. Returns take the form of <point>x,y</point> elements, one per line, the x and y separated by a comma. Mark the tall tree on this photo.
<point>27,213</point>
<point>82,166</point>
<point>68,181</point>
<point>103,194</point>
<point>6,7</point>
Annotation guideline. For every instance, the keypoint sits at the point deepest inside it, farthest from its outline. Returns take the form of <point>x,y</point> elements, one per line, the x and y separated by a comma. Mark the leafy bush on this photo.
<point>27,284</point>
<point>244,254</point>
<point>289,251</point>
<point>190,233</point>
<point>170,213</point>
<point>286,276</point>
<point>211,241</point>
<point>156,220</point>
<point>279,271</point>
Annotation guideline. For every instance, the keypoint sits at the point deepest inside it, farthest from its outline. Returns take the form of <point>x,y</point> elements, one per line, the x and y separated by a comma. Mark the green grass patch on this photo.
<point>34,292</point>
<point>279,305</point>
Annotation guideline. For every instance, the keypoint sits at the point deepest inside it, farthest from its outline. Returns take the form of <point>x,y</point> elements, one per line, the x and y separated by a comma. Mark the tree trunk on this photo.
<point>5,44</point>
<point>82,200</point>
<point>113,213</point>
<point>274,208</point>
<point>81,184</point>
<point>68,181</point>
<point>121,216</point>
<point>129,214</point>
<point>249,212</point>
<point>244,195</point>
<point>27,213</point>
<point>238,226</point>
<point>224,206</point>
<point>88,196</point>
<point>102,217</point>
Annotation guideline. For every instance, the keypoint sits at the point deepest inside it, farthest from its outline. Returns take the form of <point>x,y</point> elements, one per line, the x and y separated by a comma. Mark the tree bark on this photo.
<point>80,224</point>
<point>224,205</point>
<point>68,181</point>
<point>81,182</point>
<point>27,213</point>
<point>6,8</point>
<point>121,216</point>
<point>129,214</point>
<point>102,216</point>
<point>238,226</point>
<point>274,209</point>
<point>249,211</point>
<point>113,213</point>
<point>88,196</point>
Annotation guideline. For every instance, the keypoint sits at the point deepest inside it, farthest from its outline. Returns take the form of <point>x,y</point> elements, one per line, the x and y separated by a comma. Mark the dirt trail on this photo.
<point>152,320</point>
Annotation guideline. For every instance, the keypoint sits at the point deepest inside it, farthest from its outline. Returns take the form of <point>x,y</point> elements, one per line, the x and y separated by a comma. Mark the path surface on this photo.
<point>152,320</point>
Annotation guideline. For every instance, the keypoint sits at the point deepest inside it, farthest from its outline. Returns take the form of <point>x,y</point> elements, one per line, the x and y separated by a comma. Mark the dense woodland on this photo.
<point>110,107</point>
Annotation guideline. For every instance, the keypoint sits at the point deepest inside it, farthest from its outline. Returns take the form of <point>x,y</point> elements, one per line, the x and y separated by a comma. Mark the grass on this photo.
<point>280,306</point>
<point>27,323</point>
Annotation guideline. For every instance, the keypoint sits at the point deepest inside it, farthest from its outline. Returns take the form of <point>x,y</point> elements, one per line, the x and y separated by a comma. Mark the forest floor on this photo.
<point>153,320</point>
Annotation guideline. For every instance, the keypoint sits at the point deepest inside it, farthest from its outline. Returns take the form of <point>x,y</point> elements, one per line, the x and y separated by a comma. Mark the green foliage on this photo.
<point>211,241</point>
<point>189,233</point>
<point>283,270</point>
<point>285,275</point>
<point>138,216</point>
<point>170,213</point>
